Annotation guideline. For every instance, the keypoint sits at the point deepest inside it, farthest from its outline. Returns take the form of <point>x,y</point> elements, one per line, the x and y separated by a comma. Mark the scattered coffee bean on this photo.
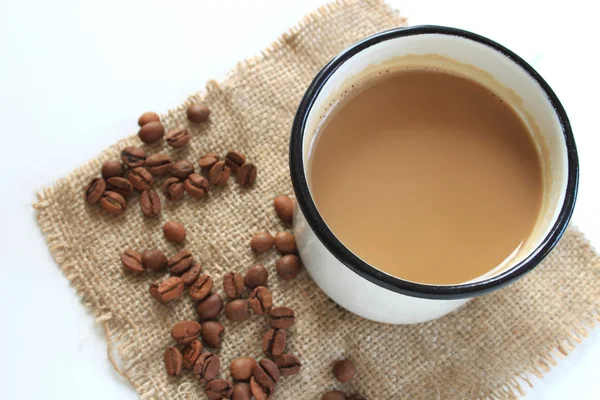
<point>288,267</point>
<point>260,392</point>
<point>180,262</point>
<point>282,317</point>
<point>178,137</point>
<point>198,113</point>
<point>150,203</point>
<point>112,168</point>
<point>210,307</point>
<point>174,231</point>
<point>285,243</point>
<point>241,368</point>
<point>273,343</point>
<point>344,370</point>
<point>262,242</point>
<point>191,353</point>
<point>151,132</point>
<point>233,285</point>
<point>158,164</point>
<point>234,160</point>
<point>256,276</point>
<point>196,185</point>
<point>201,288</point>
<point>182,169</point>
<point>119,185</point>
<point>185,331</point>
<point>173,361</point>
<point>173,189</point>
<point>260,300</point>
<point>246,175</point>
<point>208,160</point>
<point>288,364</point>
<point>154,260</point>
<point>148,116</point>
<point>140,178</point>
<point>212,334</point>
<point>334,395</point>
<point>132,261</point>
<point>218,389</point>
<point>219,174</point>
<point>237,310</point>
<point>356,396</point>
<point>168,290</point>
<point>191,274</point>
<point>94,190</point>
<point>284,207</point>
<point>206,367</point>
<point>133,156</point>
<point>266,373</point>
<point>113,203</point>
<point>241,391</point>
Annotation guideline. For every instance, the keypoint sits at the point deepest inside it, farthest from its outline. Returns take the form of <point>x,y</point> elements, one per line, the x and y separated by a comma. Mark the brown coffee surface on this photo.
<point>427,176</point>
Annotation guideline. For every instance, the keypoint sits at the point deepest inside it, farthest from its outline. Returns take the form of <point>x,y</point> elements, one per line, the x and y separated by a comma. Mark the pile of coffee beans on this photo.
<point>343,371</point>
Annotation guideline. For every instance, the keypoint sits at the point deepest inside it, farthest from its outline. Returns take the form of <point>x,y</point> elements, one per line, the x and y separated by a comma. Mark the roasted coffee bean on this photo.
<point>154,260</point>
<point>191,353</point>
<point>210,307</point>
<point>344,370</point>
<point>218,389</point>
<point>219,174</point>
<point>334,395</point>
<point>208,160</point>
<point>140,178</point>
<point>158,164</point>
<point>111,169</point>
<point>113,203</point>
<point>273,342</point>
<point>168,290</point>
<point>241,391</point>
<point>282,317</point>
<point>182,169</point>
<point>266,373</point>
<point>288,267</point>
<point>262,242</point>
<point>196,185</point>
<point>288,364</point>
<point>132,261</point>
<point>260,300</point>
<point>94,190</point>
<point>148,116</point>
<point>201,288</point>
<point>178,137</point>
<point>233,285</point>
<point>191,274</point>
<point>151,132</point>
<point>241,368</point>
<point>284,207</point>
<point>150,203</point>
<point>256,276</point>
<point>198,113</point>
<point>234,160</point>
<point>174,231</point>
<point>212,334</point>
<point>173,189</point>
<point>285,243</point>
<point>185,331</point>
<point>246,175</point>
<point>356,396</point>
<point>237,310</point>
<point>260,392</point>
<point>119,185</point>
<point>133,156</point>
<point>206,367</point>
<point>180,262</point>
<point>173,361</point>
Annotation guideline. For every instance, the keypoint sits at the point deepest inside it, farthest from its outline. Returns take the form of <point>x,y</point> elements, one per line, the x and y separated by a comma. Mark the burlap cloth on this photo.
<point>488,349</point>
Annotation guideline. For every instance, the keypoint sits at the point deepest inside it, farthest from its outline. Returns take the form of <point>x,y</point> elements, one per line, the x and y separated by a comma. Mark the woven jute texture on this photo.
<point>488,349</point>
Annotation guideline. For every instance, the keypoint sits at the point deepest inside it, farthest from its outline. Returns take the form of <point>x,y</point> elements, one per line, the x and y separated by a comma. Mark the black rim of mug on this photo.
<point>322,231</point>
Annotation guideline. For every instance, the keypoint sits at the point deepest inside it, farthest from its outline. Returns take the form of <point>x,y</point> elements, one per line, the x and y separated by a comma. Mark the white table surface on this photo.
<point>75,75</point>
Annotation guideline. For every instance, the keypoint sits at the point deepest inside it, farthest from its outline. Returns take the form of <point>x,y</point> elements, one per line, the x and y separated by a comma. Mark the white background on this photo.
<point>75,75</point>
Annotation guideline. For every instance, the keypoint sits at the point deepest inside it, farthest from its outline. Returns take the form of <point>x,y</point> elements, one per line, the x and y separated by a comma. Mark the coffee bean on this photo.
<point>233,285</point>
<point>241,368</point>
<point>173,361</point>
<point>260,300</point>
<point>208,160</point>
<point>212,334</point>
<point>284,207</point>
<point>241,391</point>
<point>191,274</point>
<point>219,174</point>
<point>234,160</point>
<point>185,331</point>
<point>94,190</point>
<point>273,342</point>
<point>246,175</point>
<point>180,262</point>
<point>154,260</point>
<point>151,132</point>
<point>237,310</point>
<point>288,267</point>
<point>288,364</point>
<point>173,189</point>
<point>133,156</point>
<point>356,396</point>
<point>334,395</point>
<point>266,373</point>
<point>260,392</point>
<point>174,231</point>
<point>206,367</point>
<point>218,389</point>
<point>256,276</point>
<point>150,203</point>
<point>198,113</point>
<point>285,243</point>
<point>191,353</point>
<point>196,185</point>
<point>168,290</point>
<point>344,370</point>
<point>210,307</point>
<point>178,137</point>
<point>111,169</point>
<point>132,261</point>
<point>158,164</point>
<point>140,178</point>
<point>201,288</point>
<point>282,317</point>
<point>148,116</point>
<point>119,185</point>
<point>262,242</point>
<point>113,203</point>
<point>182,169</point>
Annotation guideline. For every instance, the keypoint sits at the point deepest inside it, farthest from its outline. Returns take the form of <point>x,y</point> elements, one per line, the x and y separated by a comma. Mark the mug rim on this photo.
<point>369,272</point>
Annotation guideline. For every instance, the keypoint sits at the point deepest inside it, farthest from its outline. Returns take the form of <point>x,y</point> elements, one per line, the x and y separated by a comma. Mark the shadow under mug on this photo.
<point>362,288</point>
